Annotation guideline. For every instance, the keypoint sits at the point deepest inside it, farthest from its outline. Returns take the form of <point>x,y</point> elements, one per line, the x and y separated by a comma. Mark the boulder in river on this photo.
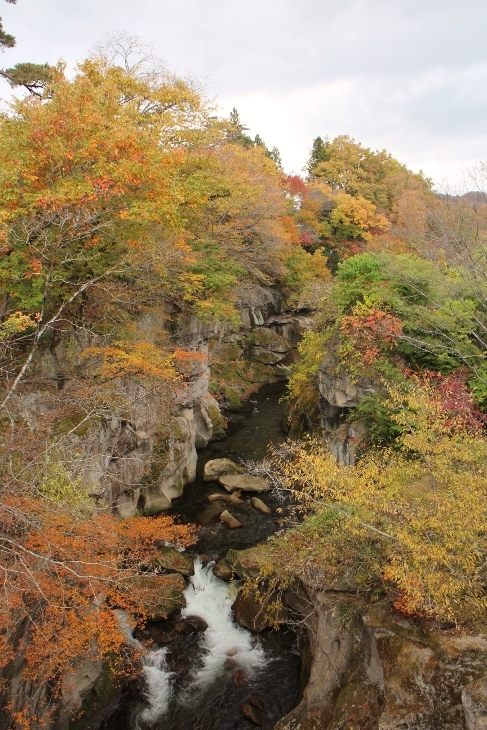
<point>251,610</point>
<point>247,563</point>
<point>256,701</point>
<point>240,677</point>
<point>191,625</point>
<point>252,714</point>
<point>223,570</point>
<point>260,505</point>
<point>174,561</point>
<point>245,482</point>
<point>233,498</point>
<point>216,467</point>
<point>229,520</point>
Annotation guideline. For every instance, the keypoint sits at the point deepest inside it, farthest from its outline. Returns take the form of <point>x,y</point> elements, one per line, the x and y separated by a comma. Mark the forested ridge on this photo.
<point>128,206</point>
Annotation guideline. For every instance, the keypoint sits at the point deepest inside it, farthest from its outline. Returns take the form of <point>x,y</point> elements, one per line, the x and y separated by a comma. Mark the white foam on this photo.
<point>209,598</point>
<point>156,675</point>
<point>158,681</point>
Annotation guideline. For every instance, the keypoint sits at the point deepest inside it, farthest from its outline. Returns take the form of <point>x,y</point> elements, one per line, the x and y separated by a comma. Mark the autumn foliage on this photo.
<point>456,398</point>
<point>404,322</point>
<point>63,576</point>
<point>395,523</point>
<point>371,331</point>
<point>126,207</point>
<point>136,359</point>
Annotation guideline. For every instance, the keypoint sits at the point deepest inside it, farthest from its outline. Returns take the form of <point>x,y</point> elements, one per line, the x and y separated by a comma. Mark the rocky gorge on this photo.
<point>116,460</point>
<point>138,465</point>
<point>243,420</point>
<point>256,351</point>
<point>339,664</point>
<point>367,667</point>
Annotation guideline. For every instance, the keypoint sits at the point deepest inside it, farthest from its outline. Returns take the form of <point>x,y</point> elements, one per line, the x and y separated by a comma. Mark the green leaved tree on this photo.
<point>6,39</point>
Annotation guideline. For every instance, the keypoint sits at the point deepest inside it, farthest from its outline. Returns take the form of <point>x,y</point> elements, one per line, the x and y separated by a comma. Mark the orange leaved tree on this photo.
<point>63,574</point>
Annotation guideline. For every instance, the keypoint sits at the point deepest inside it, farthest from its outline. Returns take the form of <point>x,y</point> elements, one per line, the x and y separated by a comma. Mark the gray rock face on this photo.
<point>345,674</point>
<point>407,700</point>
<point>256,304</point>
<point>90,689</point>
<point>139,462</point>
<point>427,674</point>
<point>341,391</point>
<point>209,422</point>
<point>199,418</point>
<point>268,347</point>
<point>386,671</point>
<point>129,481</point>
<point>150,490</point>
<point>474,699</point>
<point>373,670</point>
<point>346,442</point>
<point>290,325</point>
<point>339,394</point>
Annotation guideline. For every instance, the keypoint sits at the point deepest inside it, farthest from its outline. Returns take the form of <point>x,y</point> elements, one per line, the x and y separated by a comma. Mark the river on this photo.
<point>205,672</point>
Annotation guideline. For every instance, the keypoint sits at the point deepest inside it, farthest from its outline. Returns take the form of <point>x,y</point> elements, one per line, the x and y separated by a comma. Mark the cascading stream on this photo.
<point>158,682</point>
<point>225,644</point>
<point>211,674</point>
<point>156,675</point>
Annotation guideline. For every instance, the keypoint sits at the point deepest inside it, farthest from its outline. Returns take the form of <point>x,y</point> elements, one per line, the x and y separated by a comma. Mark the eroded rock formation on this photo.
<point>368,667</point>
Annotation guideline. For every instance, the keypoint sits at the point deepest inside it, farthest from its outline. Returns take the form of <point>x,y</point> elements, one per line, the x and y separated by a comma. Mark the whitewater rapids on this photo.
<point>224,645</point>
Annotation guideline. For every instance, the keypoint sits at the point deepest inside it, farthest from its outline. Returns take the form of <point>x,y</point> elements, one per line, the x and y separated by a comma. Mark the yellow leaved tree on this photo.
<point>409,519</point>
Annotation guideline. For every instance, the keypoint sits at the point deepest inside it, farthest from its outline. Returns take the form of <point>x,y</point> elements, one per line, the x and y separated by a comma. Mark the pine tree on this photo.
<point>32,76</point>
<point>6,40</point>
<point>275,155</point>
<point>236,133</point>
<point>319,153</point>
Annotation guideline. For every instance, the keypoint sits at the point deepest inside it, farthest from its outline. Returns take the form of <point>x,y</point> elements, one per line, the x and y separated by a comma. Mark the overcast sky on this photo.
<point>406,75</point>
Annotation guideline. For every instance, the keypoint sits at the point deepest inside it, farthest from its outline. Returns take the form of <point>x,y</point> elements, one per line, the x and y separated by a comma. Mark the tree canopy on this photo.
<point>395,522</point>
<point>347,166</point>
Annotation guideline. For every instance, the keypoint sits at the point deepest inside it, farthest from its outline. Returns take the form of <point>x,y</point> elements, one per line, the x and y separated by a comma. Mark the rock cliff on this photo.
<point>139,458</point>
<point>370,668</point>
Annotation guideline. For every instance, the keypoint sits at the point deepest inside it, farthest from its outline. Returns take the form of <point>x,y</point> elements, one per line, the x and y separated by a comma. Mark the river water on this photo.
<point>205,672</point>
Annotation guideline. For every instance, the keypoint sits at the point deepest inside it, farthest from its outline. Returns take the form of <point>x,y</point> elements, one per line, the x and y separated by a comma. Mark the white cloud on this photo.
<point>406,75</point>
